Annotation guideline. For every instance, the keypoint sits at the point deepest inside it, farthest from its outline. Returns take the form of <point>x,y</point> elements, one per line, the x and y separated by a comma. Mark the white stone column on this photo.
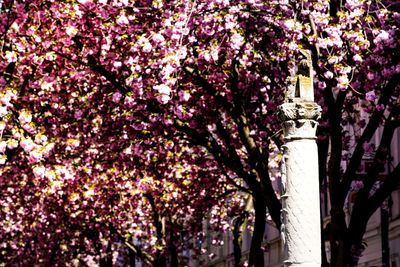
<point>301,233</point>
<point>301,230</point>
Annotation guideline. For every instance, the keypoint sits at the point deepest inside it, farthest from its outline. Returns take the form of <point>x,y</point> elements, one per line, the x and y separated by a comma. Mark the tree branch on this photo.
<point>107,74</point>
<point>240,116</point>
<point>390,184</point>
<point>258,163</point>
<point>195,74</point>
<point>361,211</point>
<point>160,228</point>
<point>367,134</point>
<point>146,257</point>
<point>258,160</point>
<point>232,161</point>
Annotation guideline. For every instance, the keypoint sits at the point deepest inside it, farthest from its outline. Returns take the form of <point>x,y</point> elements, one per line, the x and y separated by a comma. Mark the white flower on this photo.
<point>357,58</point>
<point>84,1</point>
<point>184,96</point>
<point>25,117</point>
<point>122,20</point>
<point>147,47</point>
<point>163,89</point>
<point>3,159</point>
<point>3,110</point>
<point>71,30</point>
<point>11,56</point>
<point>3,146</point>
<point>27,144</point>
<point>164,92</point>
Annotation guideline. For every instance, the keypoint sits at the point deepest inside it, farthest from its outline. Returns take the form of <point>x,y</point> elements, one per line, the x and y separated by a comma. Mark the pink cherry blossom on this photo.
<point>11,56</point>
<point>380,107</point>
<point>184,96</point>
<point>27,144</point>
<point>371,76</point>
<point>3,111</point>
<point>370,96</point>
<point>35,156</point>
<point>357,58</point>
<point>164,92</point>
<point>78,114</point>
<point>5,99</point>
<point>3,146</point>
<point>3,159</point>
<point>328,75</point>
<point>116,97</point>
<point>121,117</point>
<point>12,144</point>
<point>357,185</point>
<point>25,117</point>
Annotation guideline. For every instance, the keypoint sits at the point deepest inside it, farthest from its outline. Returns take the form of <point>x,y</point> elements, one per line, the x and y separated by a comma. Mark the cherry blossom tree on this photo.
<point>125,122</point>
<point>92,182</point>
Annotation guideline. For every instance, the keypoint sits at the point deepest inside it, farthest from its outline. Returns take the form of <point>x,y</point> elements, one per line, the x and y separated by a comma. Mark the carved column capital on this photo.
<point>299,111</point>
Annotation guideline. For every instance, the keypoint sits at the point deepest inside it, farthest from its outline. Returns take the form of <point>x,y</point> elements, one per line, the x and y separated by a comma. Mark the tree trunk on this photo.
<point>240,224</point>
<point>132,259</point>
<point>338,232</point>
<point>237,238</point>
<point>161,261</point>
<point>348,254</point>
<point>173,251</point>
<point>107,260</point>
<point>346,243</point>
<point>256,253</point>
<point>324,260</point>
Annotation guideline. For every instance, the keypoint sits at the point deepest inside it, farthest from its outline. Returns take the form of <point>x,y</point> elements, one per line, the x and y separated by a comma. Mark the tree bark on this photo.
<point>337,235</point>
<point>161,261</point>
<point>132,259</point>
<point>324,260</point>
<point>237,240</point>
<point>173,250</point>
<point>256,257</point>
<point>239,226</point>
<point>106,261</point>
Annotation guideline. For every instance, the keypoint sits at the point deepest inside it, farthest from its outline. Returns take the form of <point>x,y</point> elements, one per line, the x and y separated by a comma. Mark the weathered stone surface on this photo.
<point>300,110</point>
<point>301,233</point>
<point>300,197</point>
<point>300,87</point>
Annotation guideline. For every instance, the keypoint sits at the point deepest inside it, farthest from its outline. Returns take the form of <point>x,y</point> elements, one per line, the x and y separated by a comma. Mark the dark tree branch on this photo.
<point>231,180</point>
<point>390,184</point>
<point>232,161</point>
<point>257,159</point>
<point>382,151</point>
<point>362,212</point>
<point>136,250</point>
<point>367,134</point>
<point>240,116</point>
<point>107,74</point>
<point>160,228</point>
<point>231,149</point>
<point>100,69</point>
<point>195,74</point>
